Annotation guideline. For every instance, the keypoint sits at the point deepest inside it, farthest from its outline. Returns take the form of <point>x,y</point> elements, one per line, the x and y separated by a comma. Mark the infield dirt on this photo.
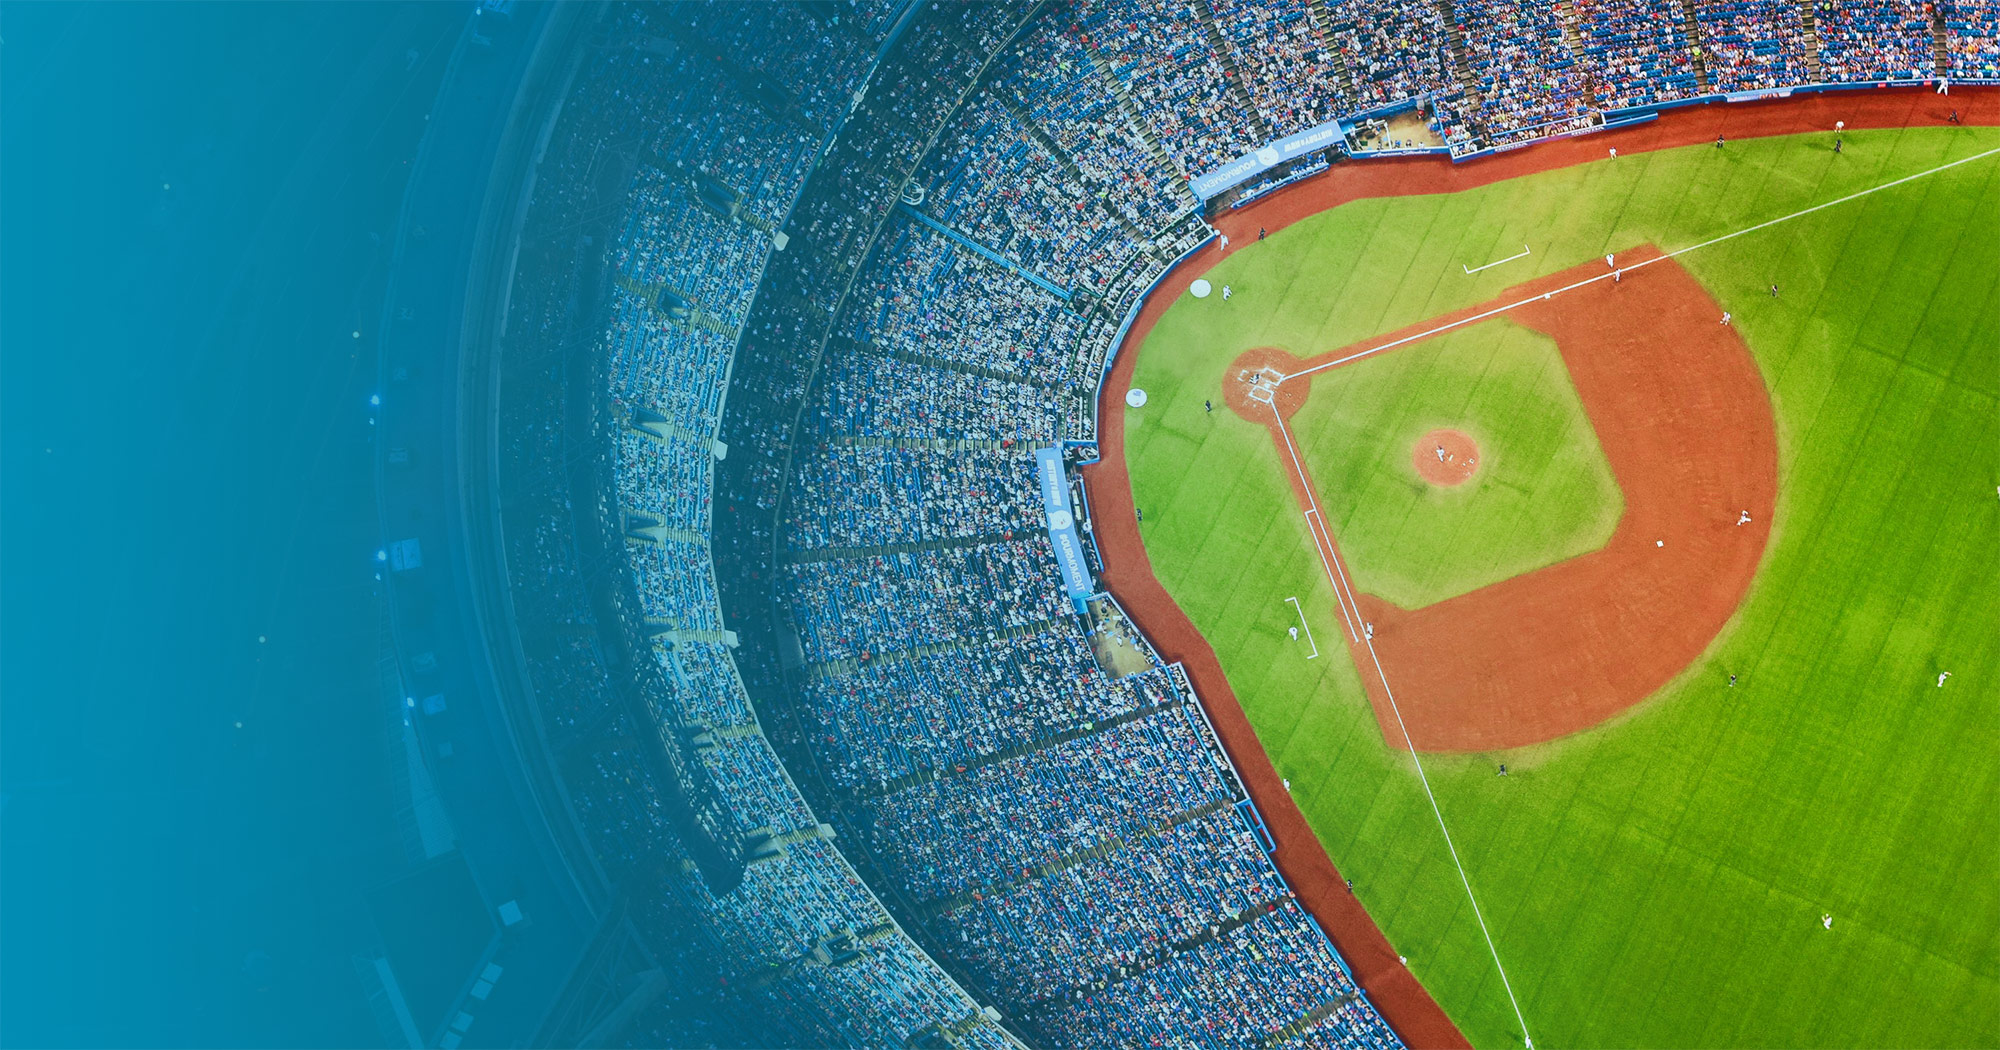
<point>1445,457</point>
<point>1685,420</point>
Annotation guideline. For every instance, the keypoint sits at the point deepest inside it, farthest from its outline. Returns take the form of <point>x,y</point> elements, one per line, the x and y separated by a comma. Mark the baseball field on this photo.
<point>1777,753</point>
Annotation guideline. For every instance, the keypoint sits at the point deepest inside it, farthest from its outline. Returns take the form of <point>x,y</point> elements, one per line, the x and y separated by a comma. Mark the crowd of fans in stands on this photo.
<point>1863,40</point>
<point>890,719</point>
<point>992,181</point>
<point>936,297</point>
<point>1284,63</point>
<point>1158,54</point>
<point>701,170</point>
<point>848,609</point>
<point>1972,39</point>
<point>986,201</point>
<point>1638,51</point>
<point>1203,83</point>
<point>1216,995</point>
<point>867,395</point>
<point>938,495</point>
<point>1527,79</point>
<point>1752,45</point>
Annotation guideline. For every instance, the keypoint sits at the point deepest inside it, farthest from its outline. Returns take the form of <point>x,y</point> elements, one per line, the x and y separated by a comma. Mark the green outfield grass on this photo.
<point>1543,491</point>
<point>1659,881</point>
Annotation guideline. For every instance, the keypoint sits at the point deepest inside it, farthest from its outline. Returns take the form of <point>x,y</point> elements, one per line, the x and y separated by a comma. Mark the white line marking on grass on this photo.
<point>1524,254</point>
<point>1338,579</point>
<point>1296,607</point>
<point>1320,544</point>
<point>1324,547</point>
<point>1330,557</point>
<point>1641,265</point>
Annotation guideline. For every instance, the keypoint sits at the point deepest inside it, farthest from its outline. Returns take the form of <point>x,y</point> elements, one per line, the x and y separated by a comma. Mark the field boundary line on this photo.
<point>1301,610</point>
<point>1322,541</point>
<point>1470,270</point>
<point>1642,264</point>
<point>1329,559</point>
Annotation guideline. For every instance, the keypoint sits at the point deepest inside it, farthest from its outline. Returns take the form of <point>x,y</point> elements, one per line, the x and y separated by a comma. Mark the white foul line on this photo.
<point>1639,265</point>
<point>1524,254</point>
<point>1313,526</point>
<point>1312,511</point>
<point>1296,607</point>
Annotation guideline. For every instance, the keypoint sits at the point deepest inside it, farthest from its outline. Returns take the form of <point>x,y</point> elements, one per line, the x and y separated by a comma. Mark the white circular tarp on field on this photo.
<point>1135,397</point>
<point>1200,287</point>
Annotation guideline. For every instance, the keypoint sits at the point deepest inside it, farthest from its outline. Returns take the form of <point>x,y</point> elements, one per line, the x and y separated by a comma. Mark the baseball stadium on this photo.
<point>1227,524</point>
<point>1272,523</point>
<point>1002,524</point>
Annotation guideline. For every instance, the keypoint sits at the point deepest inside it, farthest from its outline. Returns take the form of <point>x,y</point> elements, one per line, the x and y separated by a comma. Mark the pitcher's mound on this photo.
<point>1445,457</point>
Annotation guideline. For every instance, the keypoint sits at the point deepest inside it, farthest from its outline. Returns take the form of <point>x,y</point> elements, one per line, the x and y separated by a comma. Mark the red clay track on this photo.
<point>1128,572</point>
<point>1681,412</point>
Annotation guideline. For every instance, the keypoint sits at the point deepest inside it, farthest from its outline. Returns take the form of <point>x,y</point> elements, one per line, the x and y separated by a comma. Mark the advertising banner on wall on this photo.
<point>1255,163</point>
<point>1061,523</point>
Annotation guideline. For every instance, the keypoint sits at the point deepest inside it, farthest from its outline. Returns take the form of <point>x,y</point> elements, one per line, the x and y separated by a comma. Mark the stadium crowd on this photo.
<point>891,719</point>
<point>848,609</point>
<point>993,182</point>
<point>942,495</point>
<point>1972,39</point>
<point>1752,45</point>
<point>1864,40</point>
<point>936,297</point>
<point>1523,72</point>
<point>709,178</point>
<point>1159,60</point>
<point>1283,61</point>
<point>1637,51</point>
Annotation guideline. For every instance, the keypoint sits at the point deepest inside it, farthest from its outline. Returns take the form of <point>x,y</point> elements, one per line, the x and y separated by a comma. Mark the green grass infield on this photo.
<point>1542,490</point>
